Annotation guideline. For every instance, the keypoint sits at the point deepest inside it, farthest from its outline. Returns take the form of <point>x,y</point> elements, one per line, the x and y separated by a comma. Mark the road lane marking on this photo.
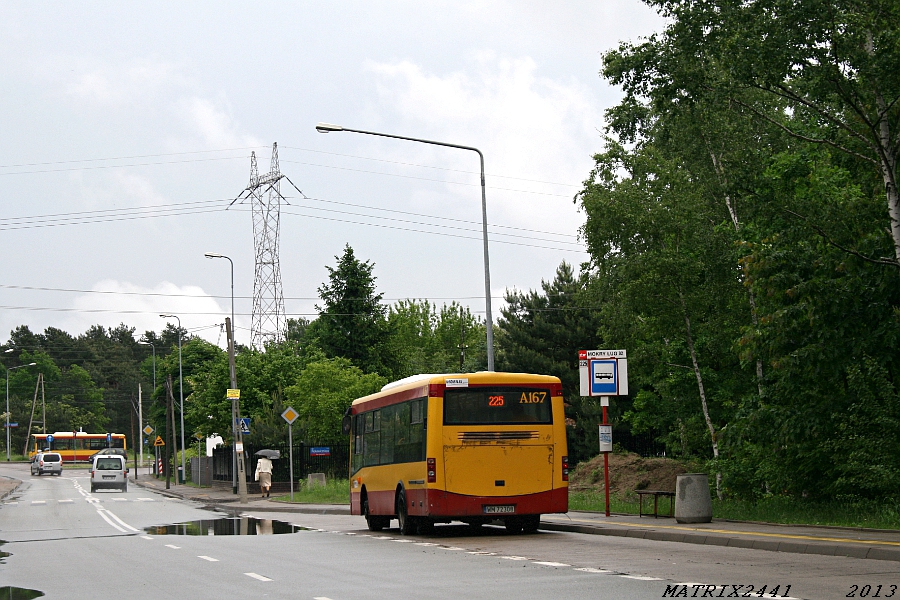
<point>67,501</point>
<point>593,570</point>
<point>13,503</point>
<point>640,577</point>
<point>402,541</point>
<point>425,544</point>
<point>321,598</point>
<point>209,558</point>
<point>173,547</point>
<point>102,513</point>
<point>120,521</point>
<point>120,499</point>
<point>146,537</point>
<point>514,557</point>
<point>256,576</point>
<point>450,548</point>
<point>548,563</point>
<point>33,502</point>
<point>482,553</point>
<point>143,499</point>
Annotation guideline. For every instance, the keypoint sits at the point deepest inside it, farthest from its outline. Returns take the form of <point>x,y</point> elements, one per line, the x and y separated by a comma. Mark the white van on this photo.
<point>109,472</point>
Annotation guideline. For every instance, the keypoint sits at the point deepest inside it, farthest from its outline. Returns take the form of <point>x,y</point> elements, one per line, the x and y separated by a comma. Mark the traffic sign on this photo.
<point>198,436</point>
<point>148,430</point>
<point>603,372</point>
<point>233,394</point>
<point>49,439</point>
<point>108,438</point>
<point>159,442</point>
<point>290,415</point>
<point>244,424</point>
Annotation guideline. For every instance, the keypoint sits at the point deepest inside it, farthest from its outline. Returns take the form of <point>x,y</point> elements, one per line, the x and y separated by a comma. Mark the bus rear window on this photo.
<point>497,406</point>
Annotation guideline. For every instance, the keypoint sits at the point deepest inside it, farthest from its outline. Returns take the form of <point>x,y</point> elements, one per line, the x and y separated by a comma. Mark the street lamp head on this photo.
<point>8,350</point>
<point>328,127</point>
<point>213,255</point>
<point>31,365</point>
<point>167,316</point>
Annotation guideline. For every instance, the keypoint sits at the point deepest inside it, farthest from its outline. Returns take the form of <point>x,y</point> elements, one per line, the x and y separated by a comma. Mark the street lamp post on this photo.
<point>329,128</point>
<point>234,481</point>
<point>180,389</point>
<point>7,404</point>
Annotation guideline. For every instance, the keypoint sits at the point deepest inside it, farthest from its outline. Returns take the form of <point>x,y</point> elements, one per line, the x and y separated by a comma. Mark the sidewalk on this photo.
<point>878,544</point>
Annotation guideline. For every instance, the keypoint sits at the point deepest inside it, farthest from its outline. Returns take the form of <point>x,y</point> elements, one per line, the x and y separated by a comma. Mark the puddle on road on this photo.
<point>17,593</point>
<point>225,526</point>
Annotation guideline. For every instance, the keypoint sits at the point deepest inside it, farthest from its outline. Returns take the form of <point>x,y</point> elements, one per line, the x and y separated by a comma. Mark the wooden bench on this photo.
<point>656,494</point>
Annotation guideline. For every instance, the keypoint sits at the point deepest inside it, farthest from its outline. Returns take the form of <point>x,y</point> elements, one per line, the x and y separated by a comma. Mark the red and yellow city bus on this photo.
<point>76,445</point>
<point>470,447</point>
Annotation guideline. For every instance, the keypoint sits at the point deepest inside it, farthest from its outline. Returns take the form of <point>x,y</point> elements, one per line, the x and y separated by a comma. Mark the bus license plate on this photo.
<point>499,509</point>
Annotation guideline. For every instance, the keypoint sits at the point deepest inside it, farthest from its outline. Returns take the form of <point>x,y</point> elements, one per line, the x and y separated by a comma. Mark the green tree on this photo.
<point>352,322</point>
<point>324,392</point>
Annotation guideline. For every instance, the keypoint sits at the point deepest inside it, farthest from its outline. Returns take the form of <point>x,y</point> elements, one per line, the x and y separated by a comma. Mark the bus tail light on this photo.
<point>565,468</point>
<point>432,471</point>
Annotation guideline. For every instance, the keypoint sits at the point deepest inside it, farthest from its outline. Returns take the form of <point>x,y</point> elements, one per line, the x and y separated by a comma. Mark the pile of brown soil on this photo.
<point>627,472</point>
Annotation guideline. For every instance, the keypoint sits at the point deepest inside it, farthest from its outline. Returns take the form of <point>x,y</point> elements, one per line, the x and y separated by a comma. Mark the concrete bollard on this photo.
<point>315,479</point>
<point>692,501</point>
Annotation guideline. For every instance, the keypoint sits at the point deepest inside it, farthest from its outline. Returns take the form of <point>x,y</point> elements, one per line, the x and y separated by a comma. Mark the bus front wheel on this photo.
<point>373,522</point>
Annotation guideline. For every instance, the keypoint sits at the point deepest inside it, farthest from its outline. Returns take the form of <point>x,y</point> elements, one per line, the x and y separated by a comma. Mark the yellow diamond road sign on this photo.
<point>148,430</point>
<point>290,415</point>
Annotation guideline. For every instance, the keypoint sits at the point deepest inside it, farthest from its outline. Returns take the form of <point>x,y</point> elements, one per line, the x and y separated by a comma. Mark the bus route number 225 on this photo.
<point>533,397</point>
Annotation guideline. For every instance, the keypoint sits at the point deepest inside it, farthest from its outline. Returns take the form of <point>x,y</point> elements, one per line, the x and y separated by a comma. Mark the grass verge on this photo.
<point>335,491</point>
<point>875,514</point>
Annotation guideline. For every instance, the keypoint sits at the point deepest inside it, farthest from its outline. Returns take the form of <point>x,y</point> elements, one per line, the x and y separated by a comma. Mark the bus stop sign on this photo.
<point>603,372</point>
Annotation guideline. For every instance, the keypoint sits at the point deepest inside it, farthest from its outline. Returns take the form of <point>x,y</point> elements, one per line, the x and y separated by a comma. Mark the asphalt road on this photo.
<point>70,543</point>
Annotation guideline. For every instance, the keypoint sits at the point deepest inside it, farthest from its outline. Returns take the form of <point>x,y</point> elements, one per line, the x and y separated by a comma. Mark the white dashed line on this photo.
<point>425,544</point>
<point>68,501</point>
<point>450,548</point>
<point>641,577</point>
<point>143,499</point>
<point>593,570</point>
<point>13,503</point>
<point>173,547</point>
<point>321,598</point>
<point>481,553</point>
<point>146,537</point>
<point>349,533</point>
<point>255,576</point>
<point>403,541</point>
<point>380,537</point>
<point>33,502</point>
<point>514,557</point>
<point>209,558</point>
<point>548,563</point>
<point>120,499</point>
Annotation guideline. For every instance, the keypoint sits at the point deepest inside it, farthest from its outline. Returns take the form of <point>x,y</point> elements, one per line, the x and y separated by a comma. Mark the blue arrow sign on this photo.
<point>49,439</point>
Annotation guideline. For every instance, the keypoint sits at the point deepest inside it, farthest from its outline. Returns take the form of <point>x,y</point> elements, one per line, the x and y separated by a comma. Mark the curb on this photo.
<point>794,547</point>
<point>17,482</point>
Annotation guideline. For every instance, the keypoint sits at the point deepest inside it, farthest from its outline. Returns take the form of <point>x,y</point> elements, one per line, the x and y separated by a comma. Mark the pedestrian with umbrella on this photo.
<point>264,470</point>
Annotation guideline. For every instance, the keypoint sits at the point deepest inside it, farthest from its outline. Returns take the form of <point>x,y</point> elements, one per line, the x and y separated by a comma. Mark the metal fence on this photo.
<point>331,459</point>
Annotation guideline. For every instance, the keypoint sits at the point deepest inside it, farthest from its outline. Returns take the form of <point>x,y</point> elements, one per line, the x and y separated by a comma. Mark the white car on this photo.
<point>109,472</point>
<point>46,462</point>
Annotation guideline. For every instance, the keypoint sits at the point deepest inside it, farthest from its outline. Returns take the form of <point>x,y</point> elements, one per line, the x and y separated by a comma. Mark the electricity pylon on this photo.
<point>264,194</point>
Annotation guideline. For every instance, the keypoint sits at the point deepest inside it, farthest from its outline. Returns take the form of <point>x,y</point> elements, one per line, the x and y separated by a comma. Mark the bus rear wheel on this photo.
<point>530,523</point>
<point>407,524</point>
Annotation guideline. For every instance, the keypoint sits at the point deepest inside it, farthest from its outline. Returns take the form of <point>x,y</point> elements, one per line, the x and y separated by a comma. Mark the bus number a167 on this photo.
<point>533,397</point>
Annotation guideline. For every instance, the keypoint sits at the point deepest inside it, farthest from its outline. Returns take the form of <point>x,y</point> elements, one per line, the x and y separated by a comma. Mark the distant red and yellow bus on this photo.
<point>471,447</point>
<point>75,445</point>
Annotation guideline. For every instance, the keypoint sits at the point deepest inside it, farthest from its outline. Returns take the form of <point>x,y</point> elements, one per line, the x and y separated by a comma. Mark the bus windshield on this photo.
<point>497,406</point>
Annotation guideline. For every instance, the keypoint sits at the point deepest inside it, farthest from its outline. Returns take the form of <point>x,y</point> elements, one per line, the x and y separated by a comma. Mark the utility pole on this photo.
<point>170,420</point>
<point>38,384</point>
<point>140,425</point>
<point>462,340</point>
<point>236,416</point>
<point>132,443</point>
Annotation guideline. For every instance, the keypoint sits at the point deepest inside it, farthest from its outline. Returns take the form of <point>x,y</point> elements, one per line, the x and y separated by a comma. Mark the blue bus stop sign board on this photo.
<point>603,377</point>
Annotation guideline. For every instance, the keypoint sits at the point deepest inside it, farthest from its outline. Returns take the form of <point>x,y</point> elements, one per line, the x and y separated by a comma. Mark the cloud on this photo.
<point>213,124</point>
<point>123,84</point>
<point>528,126</point>
<point>140,307</point>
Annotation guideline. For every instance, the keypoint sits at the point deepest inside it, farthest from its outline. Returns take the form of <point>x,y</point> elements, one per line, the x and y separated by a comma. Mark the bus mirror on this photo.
<point>345,425</point>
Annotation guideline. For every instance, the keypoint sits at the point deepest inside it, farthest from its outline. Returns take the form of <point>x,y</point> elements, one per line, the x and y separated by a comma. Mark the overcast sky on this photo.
<point>127,128</point>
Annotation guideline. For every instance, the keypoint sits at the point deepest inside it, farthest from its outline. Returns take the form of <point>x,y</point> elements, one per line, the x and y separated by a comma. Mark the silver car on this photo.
<point>46,462</point>
<point>109,472</point>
